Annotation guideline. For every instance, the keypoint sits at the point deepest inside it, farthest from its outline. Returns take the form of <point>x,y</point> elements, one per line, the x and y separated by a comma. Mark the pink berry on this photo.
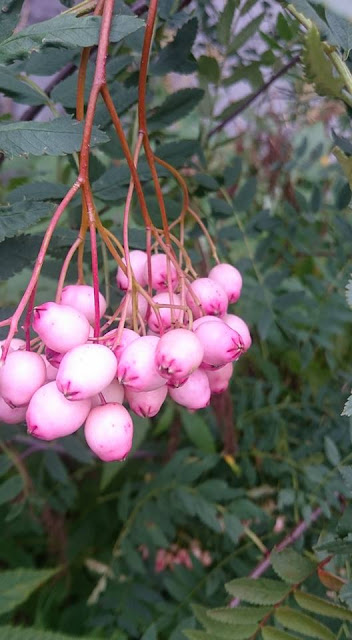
<point>51,372</point>
<point>127,336</point>
<point>221,343</point>
<point>109,431</point>
<point>202,319</point>
<point>60,327</point>
<point>136,367</point>
<point>229,278</point>
<point>22,374</point>
<point>194,393</point>
<point>219,378</point>
<point>142,306</point>
<point>85,371</point>
<point>160,273</point>
<point>146,403</point>
<point>212,298</point>
<point>81,297</point>
<point>138,260</point>
<point>15,345</point>
<point>179,352</point>
<point>167,315</point>
<point>237,324</point>
<point>114,392</point>
<point>10,415</point>
<point>50,415</point>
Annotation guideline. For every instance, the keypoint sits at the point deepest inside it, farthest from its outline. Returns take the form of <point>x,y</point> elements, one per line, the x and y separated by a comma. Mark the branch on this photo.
<point>248,101</point>
<point>295,534</point>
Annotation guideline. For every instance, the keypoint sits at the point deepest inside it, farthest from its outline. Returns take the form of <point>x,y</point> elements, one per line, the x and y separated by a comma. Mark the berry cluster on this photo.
<point>183,345</point>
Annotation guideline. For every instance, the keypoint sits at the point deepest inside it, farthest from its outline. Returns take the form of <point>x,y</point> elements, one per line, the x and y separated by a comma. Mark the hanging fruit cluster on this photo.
<point>170,335</point>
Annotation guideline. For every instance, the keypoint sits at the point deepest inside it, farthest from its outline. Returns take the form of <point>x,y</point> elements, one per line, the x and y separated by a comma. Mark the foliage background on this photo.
<point>218,488</point>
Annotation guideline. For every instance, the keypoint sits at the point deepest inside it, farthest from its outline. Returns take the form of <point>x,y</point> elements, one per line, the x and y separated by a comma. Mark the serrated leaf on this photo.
<point>56,137</point>
<point>67,31</point>
<point>219,628</point>
<point>17,253</point>
<point>176,55</point>
<point>10,12</point>
<point>223,29</point>
<point>176,106</point>
<point>194,634</point>
<point>208,67</point>
<point>321,607</point>
<point>341,30</point>
<point>31,633</point>
<point>12,86</point>
<point>290,566</point>
<point>300,622</point>
<point>345,162</point>
<point>318,68</point>
<point>241,633</point>
<point>38,191</point>
<point>261,591</point>
<point>198,431</point>
<point>249,30</point>
<point>196,505</point>
<point>271,633</point>
<point>9,489</point>
<point>238,615</point>
<point>22,215</point>
<point>331,451</point>
<point>17,585</point>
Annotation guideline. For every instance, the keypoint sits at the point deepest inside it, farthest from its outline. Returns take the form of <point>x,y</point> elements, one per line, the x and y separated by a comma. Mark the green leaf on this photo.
<point>208,67</point>
<point>38,191</point>
<point>67,31</point>
<point>10,12</point>
<point>318,68</point>
<point>261,591</point>
<point>221,629</point>
<point>345,162</point>
<point>21,215</point>
<point>198,431</point>
<point>271,633</point>
<point>176,106</point>
<point>246,194</point>
<point>109,471</point>
<point>290,566</point>
<point>9,490</point>
<point>17,585</point>
<point>321,607</point>
<point>341,30</point>
<point>31,633</point>
<point>238,615</point>
<point>12,86</point>
<point>331,451</point>
<point>349,293</point>
<point>56,137</point>
<point>194,634</point>
<point>233,526</point>
<point>196,506</point>
<point>176,56</point>
<point>346,473</point>
<point>223,30</point>
<point>55,467</point>
<point>17,253</point>
<point>297,621</point>
<point>247,32</point>
<point>283,28</point>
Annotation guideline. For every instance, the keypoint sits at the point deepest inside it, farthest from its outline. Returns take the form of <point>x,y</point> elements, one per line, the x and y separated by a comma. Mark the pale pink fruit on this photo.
<point>219,378</point>
<point>114,392</point>
<point>136,367</point>
<point>10,415</point>
<point>127,336</point>
<point>15,345</point>
<point>202,319</point>
<point>237,324</point>
<point>211,296</point>
<point>22,374</point>
<point>50,415</point>
<point>160,273</point>
<point>85,371</point>
<point>167,315</point>
<point>194,393</point>
<point>53,357</point>
<point>179,352</point>
<point>146,403</point>
<point>109,431</point>
<point>81,297</point>
<point>138,261</point>
<point>142,306</point>
<point>51,372</point>
<point>221,344</point>
<point>229,278</point>
<point>60,327</point>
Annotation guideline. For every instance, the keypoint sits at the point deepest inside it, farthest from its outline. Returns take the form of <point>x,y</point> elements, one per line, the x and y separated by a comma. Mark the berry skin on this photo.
<point>221,344</point>
<point>15,345</point>
<point>136,367</point>
<point>50,415</point>
<point>60,327</point>
<point>194,393</point>
<point>51,372</point>
<point>85,371</point>
<point>202,319</point>
<point>179,352</point>
<point>138,261</point>
<point>212,298</point>
<point>160,271</point>
<point>109,432</point>
<point>127,336</point>
<point>114,392</point>
<point>10,415</point>
<point>81,298</point>
<point>22,374</point>
<point>229,278</point>
<point>146,403</point>
<point>167,315</point>
<point>237,324</point>
<point>219,378</point>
